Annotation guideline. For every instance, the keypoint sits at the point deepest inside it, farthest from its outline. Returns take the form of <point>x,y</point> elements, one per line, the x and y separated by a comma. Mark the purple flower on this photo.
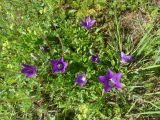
<point>88,23</point>
<point>81,79</point>
<point>59,65</point>
<point>111,80</point>
<point>126,58</point>
<point>45,48</point>
<point>95,58</point>
<point>29,70</point>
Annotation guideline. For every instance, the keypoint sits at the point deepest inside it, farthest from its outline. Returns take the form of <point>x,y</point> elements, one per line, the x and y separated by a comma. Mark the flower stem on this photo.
<point>45,38</point>
<point>60,40</point>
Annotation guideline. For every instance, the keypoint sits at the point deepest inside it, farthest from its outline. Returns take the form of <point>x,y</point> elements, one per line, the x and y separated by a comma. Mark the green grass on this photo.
<point>28,24</point>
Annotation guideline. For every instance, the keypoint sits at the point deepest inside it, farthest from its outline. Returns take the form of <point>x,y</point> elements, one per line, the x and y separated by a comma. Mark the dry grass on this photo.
<point>134,23</point>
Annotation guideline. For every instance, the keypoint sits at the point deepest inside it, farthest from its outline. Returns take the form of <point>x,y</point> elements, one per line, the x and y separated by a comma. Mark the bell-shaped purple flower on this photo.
<point>81,79</point>
<point>59,65</point>
<point>95,58</point>
<point>111,80</point>
<point>29,70</point>
<point>88,23</point>
<point>125,58</point>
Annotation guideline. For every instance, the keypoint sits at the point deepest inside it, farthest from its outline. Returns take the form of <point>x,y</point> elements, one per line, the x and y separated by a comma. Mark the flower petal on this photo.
<point>24,70</point>
<point>107,88</point>
<point>53,61</point>
<point>110,73</point>
<point>126,58</point>
<point>65,64</point>
<point>92,23</point>
<point>102,79</point>
<point>82,84</point>
<point>29,75</point>
<point>118,76</point>
<point>122,55</point>
<point>118,85</point>
<point>95,58</point>
<point>88,19</point>
<point>88,27</point>
<point>81,79</point>
<point>28,70</point>
<point>61,59</point>
<point>116,79</point>
<point>84,24</point>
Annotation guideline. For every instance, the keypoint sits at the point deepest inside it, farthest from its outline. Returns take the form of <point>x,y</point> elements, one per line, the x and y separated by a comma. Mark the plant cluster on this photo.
<point>110,80</point>
<point>76,67</point>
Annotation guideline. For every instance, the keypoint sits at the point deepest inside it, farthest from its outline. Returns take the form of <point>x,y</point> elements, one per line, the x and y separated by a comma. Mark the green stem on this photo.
<point>60,40</point>
<point>45,38</point>
<point>118,33</point>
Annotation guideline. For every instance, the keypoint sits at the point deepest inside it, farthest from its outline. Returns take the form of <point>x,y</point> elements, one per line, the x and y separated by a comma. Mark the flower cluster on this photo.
<point>110,80</point>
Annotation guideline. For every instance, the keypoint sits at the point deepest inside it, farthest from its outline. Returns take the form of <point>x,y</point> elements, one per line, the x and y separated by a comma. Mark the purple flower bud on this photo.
<point>59,65</point>
<point>88,23</point>
<point>95,58</point>
<point>29,70</point>
<point>126,58</point>
<point>81,79</point>
<point>111,80</point>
